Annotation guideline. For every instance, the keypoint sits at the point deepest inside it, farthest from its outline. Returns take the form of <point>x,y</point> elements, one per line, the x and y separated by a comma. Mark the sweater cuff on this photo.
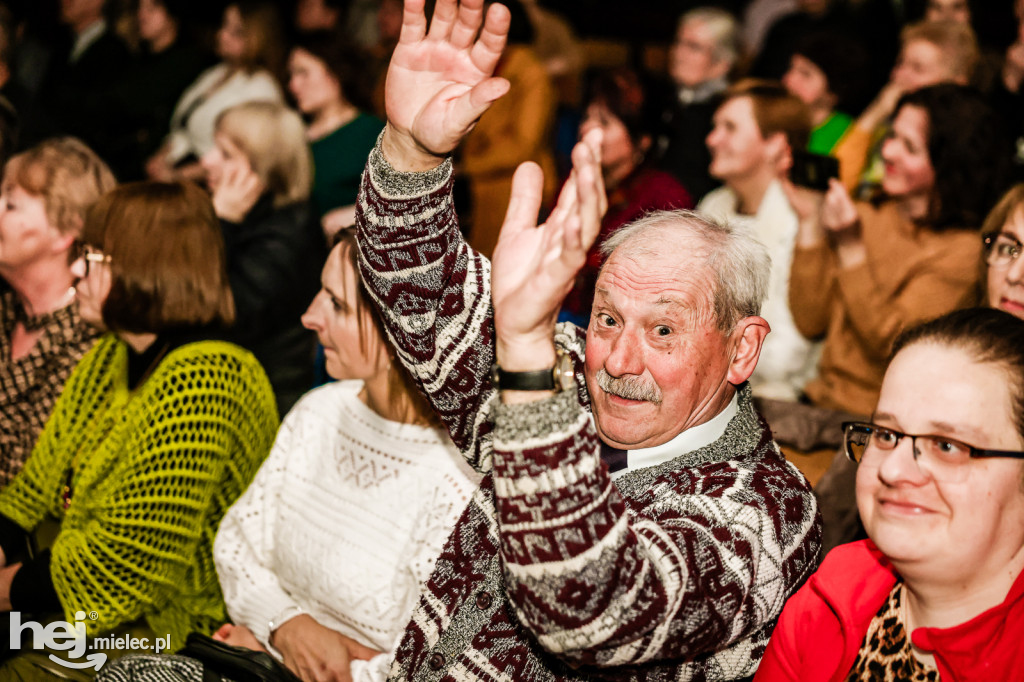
<point>32,589</point>
<point>395,184</point>
<point>520,422</point>
<point>269,604</point>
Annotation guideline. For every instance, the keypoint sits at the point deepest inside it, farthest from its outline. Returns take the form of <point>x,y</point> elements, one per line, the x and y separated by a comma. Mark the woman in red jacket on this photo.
<point>937,592</point>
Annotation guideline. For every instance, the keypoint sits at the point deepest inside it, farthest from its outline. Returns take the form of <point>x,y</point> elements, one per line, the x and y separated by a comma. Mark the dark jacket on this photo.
<point>274,260</point>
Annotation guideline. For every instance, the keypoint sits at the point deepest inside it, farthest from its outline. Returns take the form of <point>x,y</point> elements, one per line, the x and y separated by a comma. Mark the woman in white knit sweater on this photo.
<point>321,559</point>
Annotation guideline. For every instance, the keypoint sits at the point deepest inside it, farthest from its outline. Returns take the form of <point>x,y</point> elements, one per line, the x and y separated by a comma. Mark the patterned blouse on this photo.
<point>886,654</point>
<point>30,385</point>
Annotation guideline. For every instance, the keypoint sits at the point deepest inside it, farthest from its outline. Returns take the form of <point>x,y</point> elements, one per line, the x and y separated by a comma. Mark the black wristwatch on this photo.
<point>557,378</point>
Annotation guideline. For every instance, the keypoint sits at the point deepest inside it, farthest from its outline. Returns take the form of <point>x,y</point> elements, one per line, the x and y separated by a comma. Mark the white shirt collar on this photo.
<point>689,440</point>
<point>86,38</point>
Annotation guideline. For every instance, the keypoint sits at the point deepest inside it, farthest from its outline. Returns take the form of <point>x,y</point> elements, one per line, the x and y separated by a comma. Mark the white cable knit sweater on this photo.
<point>344,520</point>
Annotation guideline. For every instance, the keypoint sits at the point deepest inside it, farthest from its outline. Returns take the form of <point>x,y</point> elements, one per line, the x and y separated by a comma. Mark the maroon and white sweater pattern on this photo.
<point>675,572</point>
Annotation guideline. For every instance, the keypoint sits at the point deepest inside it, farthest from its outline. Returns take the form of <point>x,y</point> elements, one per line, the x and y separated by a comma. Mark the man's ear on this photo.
<point>746,340</point>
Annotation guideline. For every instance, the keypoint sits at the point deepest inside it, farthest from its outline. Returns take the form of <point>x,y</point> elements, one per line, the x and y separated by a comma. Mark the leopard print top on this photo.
<point>885,654</point>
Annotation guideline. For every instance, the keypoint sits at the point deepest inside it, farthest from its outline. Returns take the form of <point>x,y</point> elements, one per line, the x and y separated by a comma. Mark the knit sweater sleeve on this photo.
<point>244,548</point>
<point>433,293</point>
<point>699,567</point>
<point>811,289</point>
<point>36,491</point>
<point>134,532</point>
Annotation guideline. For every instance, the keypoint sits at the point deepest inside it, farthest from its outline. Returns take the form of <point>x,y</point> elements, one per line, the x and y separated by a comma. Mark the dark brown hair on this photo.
<point>264,38</point>
<point>402,388</point>
<point>167,262</point>
<point>988,335</point>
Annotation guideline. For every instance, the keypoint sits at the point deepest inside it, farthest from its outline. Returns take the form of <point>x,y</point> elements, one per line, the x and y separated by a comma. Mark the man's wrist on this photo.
<point>404,154</point>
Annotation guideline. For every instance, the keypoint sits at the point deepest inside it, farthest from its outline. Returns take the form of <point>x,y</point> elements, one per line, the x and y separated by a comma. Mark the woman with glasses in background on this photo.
<point>936,592</point>
<point>160,428</point>
<point>1002,236</point>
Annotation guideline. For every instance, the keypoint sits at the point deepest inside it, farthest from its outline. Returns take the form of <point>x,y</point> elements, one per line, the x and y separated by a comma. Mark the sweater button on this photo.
<point>484,601</point>
<point>436,661</point>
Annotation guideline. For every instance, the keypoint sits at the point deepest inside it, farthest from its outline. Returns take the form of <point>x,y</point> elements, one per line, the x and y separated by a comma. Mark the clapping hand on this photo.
<point>535,266</point>
<point>440,81</point>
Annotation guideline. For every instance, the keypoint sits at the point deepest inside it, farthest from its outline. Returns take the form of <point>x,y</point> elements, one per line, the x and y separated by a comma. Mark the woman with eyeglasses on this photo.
<point>1002,236</point>
<point>159,429</point>
<point>937,591</point>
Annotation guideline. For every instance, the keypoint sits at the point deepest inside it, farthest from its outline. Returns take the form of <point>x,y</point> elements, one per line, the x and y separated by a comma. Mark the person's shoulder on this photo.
<point>719,203</point>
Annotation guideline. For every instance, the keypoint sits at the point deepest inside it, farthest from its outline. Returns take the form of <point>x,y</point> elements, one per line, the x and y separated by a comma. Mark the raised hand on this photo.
<point>838,212</point>
<point>440,81</point>
<point>534,266</point>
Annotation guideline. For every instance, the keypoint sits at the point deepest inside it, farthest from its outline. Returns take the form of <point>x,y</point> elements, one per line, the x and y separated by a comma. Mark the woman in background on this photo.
<point>251,50</point>
<point>44,196</point>
<point>260,172</point>
<point>326,80</point>
<point>1003,239</point>
<point>159,429</point>
<point>619,106</point>
<point>862,272</point>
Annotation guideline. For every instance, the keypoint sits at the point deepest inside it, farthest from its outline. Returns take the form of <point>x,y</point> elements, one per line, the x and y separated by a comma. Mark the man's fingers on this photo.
<point>441,23</point>
<point>467,25</point>
<point>414,22</point>
<point>470,106</point>
<point>487,50</point>
<point>524,203</point>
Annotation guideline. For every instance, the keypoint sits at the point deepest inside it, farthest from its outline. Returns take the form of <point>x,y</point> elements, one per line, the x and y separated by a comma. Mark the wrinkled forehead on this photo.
<point>670,273</point>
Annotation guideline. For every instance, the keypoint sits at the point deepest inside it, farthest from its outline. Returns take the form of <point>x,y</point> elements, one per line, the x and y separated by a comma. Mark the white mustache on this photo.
<point>630,387</point>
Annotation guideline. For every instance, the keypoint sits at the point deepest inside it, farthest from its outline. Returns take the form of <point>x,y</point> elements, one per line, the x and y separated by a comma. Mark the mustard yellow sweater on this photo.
<point>152,471</point>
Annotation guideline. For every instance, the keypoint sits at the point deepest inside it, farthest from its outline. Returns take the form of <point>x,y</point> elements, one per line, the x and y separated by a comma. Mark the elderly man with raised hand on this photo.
<point>677,569</point>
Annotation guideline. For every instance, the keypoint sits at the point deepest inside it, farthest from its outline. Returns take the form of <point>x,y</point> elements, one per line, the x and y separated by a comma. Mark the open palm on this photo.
<point>534,267</point>
<point>440,82</point>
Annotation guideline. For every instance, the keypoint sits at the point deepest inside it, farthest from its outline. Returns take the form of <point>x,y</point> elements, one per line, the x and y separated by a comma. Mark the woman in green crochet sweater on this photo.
<point>159,429</point>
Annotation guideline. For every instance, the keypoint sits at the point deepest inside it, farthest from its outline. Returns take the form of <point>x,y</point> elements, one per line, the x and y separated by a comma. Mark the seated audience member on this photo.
<point>755,130</point>
<point>320,15</point>
<point>864,272</point>
<point>937,591</point>
<point>678,567</point>
<point>43,199</point>
<point>825,73</point>
<point>931,53</point>
<point>517,128</point>
<point>705,50</point>
<point>168,63</point>
<point>75,96</point>
<point>250,47</point>
<point>369,449</point>
<point>1003,234</point>
<point>158,410</point>
<point>618,105</point>
<point>328,87</point>
<point>260,173</point>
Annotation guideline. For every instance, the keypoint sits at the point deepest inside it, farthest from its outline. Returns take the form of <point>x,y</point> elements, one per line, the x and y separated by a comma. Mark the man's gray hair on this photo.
<point>725,30</point>
<point>739,263</point>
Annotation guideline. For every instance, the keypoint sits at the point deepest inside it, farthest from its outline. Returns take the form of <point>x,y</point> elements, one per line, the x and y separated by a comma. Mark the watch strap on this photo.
<point>535,380</point>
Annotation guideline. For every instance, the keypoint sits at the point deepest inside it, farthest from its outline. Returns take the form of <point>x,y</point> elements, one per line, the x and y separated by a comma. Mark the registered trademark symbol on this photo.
<point>93,615</point>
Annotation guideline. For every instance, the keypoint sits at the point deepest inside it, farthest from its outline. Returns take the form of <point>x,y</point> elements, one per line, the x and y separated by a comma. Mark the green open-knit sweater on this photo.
<point>152,471</point>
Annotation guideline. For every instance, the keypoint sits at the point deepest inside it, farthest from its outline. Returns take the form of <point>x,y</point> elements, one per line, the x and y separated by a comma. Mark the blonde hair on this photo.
<point>67,175</point>
<point>273,138</point>
<point>956,42</point>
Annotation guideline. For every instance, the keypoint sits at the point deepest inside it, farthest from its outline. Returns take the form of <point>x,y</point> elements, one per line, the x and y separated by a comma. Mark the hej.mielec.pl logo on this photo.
<point>71,638</point>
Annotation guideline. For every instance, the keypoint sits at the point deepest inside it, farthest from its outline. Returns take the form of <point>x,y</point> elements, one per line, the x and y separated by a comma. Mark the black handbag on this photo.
<point>234,663</point>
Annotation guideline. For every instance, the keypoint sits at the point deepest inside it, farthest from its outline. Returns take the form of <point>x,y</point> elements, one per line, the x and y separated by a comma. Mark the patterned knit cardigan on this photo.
<point>153,471</point>
<point>675,572</point>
